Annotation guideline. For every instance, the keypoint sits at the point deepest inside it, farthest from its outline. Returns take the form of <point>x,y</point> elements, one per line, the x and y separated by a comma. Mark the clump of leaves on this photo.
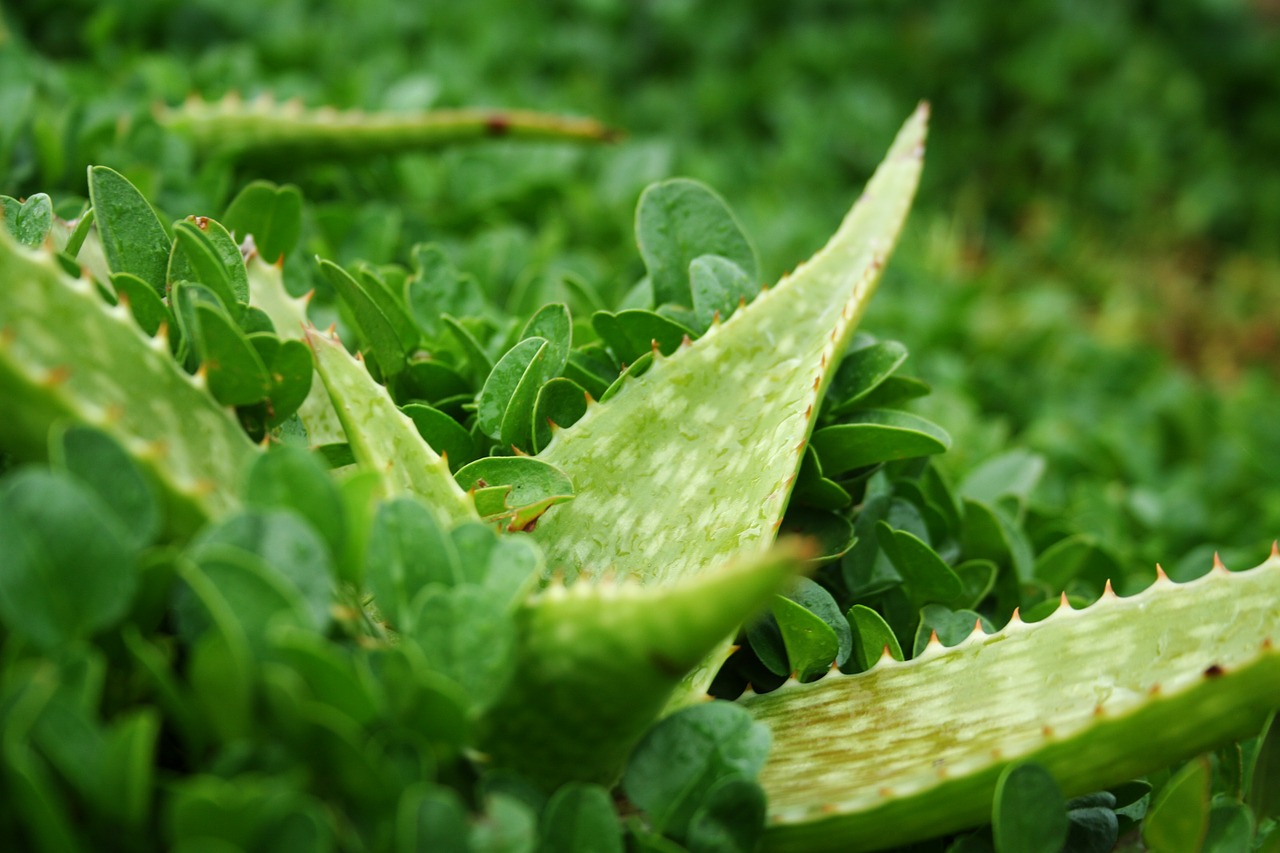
<point>522,548</point>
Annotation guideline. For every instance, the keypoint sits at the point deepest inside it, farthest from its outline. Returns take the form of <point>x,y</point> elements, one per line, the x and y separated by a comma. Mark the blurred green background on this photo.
<point>1091,273</point>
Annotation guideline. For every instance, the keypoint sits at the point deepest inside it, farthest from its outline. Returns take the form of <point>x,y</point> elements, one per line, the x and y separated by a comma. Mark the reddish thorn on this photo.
<point>1063,602</point>
<point>808,413</point>
<point>1160,575</point>
<point>1217,563</point>
<point>933,639</point>
<point>817,382</point>
<point>686,341</point>
<point>1107,591</point>
<point>829,808</point>
<point>715,318</point>
<point>1016,617</point>
<point>1047,731</point>
<point>1275,550</point>
<point>57,376</point>
<point>977,627</point>
<point>1097,710</point>
<point>497,125</point>
<point>1266,643</point>
<point>800,447</point>
<point>1154,691</point>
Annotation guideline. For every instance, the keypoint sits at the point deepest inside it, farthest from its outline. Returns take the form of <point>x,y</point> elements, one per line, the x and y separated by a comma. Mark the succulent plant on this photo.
<point>511,558</point>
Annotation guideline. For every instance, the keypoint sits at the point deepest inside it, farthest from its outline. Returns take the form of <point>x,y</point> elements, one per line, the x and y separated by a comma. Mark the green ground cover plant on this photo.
<point>469,589</point>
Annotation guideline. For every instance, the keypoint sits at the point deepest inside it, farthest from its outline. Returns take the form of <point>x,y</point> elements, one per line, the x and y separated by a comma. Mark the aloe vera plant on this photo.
<point>372,620</point>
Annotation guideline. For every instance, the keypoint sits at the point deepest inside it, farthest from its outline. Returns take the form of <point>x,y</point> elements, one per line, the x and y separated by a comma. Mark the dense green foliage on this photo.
<point>1104,407</point>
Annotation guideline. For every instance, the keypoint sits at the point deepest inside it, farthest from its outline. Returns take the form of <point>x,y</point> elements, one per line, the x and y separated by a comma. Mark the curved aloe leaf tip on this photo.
<point>383,438</point>
<point>710,438</point>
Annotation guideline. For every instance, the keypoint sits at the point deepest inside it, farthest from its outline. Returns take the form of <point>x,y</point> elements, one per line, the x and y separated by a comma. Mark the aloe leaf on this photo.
<point>65,354</point>
<point>700,438</point>
<point>382,437</point>
<point>264,129</point>
<point>1136,683</point>
<point>627,647</point>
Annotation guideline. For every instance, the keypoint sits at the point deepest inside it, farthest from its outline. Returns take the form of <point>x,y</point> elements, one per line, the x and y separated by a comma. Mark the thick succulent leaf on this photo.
<point>1095,696</point>
<point>710,438</point>
<point>264,129</point>
<point>382,437</point>
<point>65,354</point>
<point>625,646</point>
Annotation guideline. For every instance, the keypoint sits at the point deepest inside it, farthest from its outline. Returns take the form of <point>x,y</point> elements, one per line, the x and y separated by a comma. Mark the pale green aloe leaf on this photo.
<point>66,355</point>
<point>598,660</point>
<point>710,438</point>
<point>382,437</point>
<point>264,129</point>
<point>1096,696</point>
